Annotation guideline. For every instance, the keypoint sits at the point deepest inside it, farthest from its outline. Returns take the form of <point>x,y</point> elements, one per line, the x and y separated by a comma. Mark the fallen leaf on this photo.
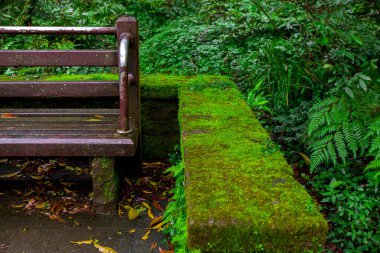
<point>159,225</point>
<point>150,214</point>
<point>104,249</point>
<point>36,177</point>
<point>17,206</point>
<point>10,174</point>
<point>56,218</point>
<point>82,242</point>
<point>165,250</point>
<point>8,116</point>
<point>99,116</point>
<point>153,246</point>
<point>93,120</point>
<point>145,204</point>
<point>2,193</point>
<point>145,237</point>
<point>158,206</point>
<point>155,221</point>
<point>133,230</point>
<point>133,214</point>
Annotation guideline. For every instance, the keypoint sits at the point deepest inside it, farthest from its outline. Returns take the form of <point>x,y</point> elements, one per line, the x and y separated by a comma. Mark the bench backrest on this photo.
<point>126,57</point>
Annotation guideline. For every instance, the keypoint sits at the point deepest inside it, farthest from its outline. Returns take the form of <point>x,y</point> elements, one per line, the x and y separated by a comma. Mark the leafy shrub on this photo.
<point>353,208</point>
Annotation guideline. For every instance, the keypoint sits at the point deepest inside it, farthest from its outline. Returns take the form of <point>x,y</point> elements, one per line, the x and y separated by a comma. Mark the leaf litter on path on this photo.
<point>57,197</point>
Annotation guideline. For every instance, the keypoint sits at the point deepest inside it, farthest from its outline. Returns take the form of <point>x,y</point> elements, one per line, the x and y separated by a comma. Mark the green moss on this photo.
<point>108,179</point>
<point>240,196</point>
<point>161,86</point>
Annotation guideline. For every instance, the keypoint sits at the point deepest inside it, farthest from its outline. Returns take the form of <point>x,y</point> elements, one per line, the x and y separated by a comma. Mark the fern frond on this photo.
<point>350,139</point>
<point>340,146</point>
<point>332,154</point>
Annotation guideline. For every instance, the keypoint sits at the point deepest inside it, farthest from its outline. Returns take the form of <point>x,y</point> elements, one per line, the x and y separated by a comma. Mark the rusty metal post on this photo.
<point>127,27</point>
<point>123,79</point>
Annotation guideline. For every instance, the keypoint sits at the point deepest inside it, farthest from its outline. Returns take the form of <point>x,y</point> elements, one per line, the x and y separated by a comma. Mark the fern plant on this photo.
<point>338,130</point>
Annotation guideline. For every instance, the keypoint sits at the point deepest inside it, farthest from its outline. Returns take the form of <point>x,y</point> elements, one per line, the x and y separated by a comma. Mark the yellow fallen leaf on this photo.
<point>104,249</point>
<point>146,192</point>
<point>128,180</point>
<point>146,235</point>
<point>93,120</point>
<point>10,174</point>
<point>145,204</point>
<point>17,206</point>
<point>159,225</point>
<point>133,214</point>
<point>120,211</point>
<point>2,193</point>
<point>99,116</point>
<point>155,221</point>
<point>17,191</point>
<point>68,191</point>
<point>83,242</point>
<point>36,177</point>
<point>150,214</point>
<point>132,231</point>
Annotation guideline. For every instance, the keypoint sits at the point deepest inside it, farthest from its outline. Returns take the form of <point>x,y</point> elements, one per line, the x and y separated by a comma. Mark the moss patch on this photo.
<point>240,197</point>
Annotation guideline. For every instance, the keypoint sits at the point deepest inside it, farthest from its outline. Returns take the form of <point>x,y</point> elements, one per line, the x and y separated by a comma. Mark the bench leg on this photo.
<point>106,185</point>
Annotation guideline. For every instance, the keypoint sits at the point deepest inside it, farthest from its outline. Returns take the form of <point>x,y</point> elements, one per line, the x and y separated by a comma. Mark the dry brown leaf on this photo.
<point>158,206</point>
<point>8,116</point>
<point>165,250</point>
<point>56,218</point>
<point>153,246</point>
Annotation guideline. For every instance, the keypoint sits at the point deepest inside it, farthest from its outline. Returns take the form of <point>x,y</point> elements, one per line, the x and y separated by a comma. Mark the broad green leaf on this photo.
<point>349,92</point>
<point>363,85</point>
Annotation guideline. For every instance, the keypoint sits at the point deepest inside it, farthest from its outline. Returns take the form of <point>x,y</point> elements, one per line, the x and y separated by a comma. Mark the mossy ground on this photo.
<point>241,196</point>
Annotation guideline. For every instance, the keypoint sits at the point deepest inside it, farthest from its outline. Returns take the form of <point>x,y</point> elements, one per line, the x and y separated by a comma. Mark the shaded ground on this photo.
<point>45,206</point>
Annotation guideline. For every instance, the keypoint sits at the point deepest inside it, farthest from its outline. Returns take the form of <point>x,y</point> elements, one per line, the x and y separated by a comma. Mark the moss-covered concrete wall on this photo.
<point>240,192</point>
<point>159,109</point>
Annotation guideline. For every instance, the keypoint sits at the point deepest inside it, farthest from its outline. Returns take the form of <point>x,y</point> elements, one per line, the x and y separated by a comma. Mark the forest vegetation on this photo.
<point>309,70</point>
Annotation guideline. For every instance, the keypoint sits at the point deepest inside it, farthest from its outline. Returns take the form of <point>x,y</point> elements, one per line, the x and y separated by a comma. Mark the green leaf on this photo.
<point>349,92</point>
<point>364,77</point>
<point>363,85</point>
<point>357,39</point>
<point>335,184</point>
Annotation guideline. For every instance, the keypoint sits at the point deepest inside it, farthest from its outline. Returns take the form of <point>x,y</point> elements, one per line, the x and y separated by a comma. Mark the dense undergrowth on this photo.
<point>310,70</point>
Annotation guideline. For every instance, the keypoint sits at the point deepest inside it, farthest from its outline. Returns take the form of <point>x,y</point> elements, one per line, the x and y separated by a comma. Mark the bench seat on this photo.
<point>65,132</point>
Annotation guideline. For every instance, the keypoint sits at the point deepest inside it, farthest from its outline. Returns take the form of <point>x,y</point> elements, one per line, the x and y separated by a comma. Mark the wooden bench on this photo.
<point>98,133</point>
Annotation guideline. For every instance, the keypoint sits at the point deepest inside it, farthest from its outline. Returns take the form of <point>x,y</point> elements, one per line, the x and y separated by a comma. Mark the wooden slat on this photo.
<point>66,147</point>
<point>60,89</point>
<point>64,132</point>
<point>60,112</point>
<point>22,58</point>
<point>55,30</point>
